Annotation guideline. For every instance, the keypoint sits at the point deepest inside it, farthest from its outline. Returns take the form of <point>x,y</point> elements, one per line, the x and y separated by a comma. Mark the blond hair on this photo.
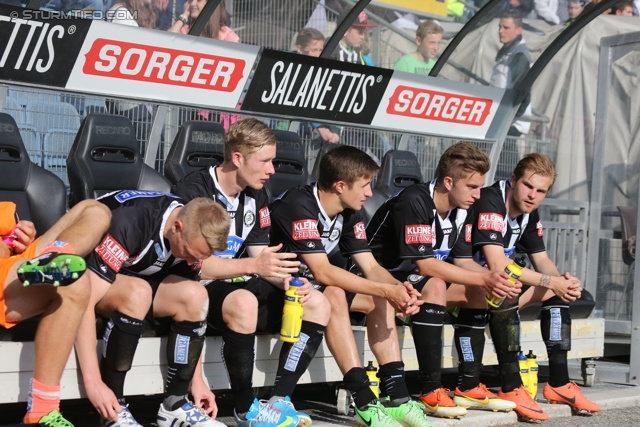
<point>209,218</point>
<point>537,164</point>
<point>247,136</point>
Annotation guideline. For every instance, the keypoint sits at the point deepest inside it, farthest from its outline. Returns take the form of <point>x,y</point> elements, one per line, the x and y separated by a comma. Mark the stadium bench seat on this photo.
<point>105,157</point>
<point>197,145</point>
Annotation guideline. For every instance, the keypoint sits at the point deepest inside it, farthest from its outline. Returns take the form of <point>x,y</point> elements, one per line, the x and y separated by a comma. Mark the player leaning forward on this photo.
<point>312,221</point>
<point>506,219</point>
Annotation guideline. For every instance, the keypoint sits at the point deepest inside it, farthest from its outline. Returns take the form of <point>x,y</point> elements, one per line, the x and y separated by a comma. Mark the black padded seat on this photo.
<point>324,149</point>
<point>105,157</point>
<point>290,163</point>
<point>197,145</point>
<point>40,196</point>
<point>399,169</point>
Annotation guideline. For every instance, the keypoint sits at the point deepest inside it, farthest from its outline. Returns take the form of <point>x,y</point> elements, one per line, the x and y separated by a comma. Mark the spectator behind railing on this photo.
<point>428,39</point>
<point>575,8</point>
<point>311,42</point>
<point>216,28</point>
<point>623,8</point>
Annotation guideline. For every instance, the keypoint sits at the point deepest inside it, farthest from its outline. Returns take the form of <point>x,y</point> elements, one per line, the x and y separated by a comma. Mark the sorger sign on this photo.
<point>437,106</point>
<point>133,61</point>
<point>159,66</point>
<point>441,106</point>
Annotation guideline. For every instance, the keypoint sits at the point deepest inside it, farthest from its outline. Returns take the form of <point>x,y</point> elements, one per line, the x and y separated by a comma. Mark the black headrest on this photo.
<point>324,149</point>
<point>399,170</point>
<point>290,163</point>
<point>197,145</point>
<point>105,157</point>
<point>40,196</point>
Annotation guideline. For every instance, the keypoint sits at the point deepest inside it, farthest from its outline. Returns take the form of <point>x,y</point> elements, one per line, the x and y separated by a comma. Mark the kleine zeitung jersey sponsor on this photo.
<point>265,217</point>
<point>112,252</point>
<point>490,221</point>
<point>305,229</point>
<point>418,234</point>
<point>360,231</point>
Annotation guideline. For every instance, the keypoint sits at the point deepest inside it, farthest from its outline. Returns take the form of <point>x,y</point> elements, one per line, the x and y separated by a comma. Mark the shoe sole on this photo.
<point>71,266</point>
<point>436,413</point>
<point>469,404</point>
<point>574,408</point>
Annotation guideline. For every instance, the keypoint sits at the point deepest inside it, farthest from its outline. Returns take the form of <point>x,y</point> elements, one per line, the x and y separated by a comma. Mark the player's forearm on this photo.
<point>85,346</point>
<point>335,276</point>
<point>216,268</point>
<point>450,272</point>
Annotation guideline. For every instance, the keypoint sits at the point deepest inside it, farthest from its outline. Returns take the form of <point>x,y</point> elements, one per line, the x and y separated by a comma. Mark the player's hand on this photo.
<point>402,300</point>
<point>303,291</point>
<point>104,400</point>
<point>575,287</point>
<point>204,398</point>
<point>271,263</point>
<point>567,287</point>
<point>496,284</point>
<point>25,233</point>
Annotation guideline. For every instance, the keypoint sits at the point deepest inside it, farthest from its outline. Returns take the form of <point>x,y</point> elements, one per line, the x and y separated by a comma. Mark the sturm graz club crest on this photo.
<point>414,278</point>
<point>249,219</point>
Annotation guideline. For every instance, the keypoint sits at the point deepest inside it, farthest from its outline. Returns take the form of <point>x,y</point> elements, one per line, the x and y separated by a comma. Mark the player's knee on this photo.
<point>240,310</point>
<point>78,293</point>
<point>317,308</point>
<point>435,291</point>
<point>336,296</point>
<point>475,293</point>
<point>138,300</point>
<point>196,300</point>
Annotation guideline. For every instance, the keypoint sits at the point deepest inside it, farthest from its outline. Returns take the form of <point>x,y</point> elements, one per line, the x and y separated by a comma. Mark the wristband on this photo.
<point>183,18</point>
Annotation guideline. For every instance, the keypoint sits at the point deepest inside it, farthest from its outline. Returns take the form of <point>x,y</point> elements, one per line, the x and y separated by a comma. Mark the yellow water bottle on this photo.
<point>514,270</point>
<point>291,313</point>
<point>373,378</point>
<point>524,371</point>
<point>533,374</point>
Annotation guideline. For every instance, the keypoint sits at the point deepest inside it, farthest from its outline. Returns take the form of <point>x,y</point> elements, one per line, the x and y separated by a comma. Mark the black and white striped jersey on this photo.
<point>249,211</point>
<point>489,224</point>
<point>134,243</point>
<point>300,223</point>
<point>407,227</point>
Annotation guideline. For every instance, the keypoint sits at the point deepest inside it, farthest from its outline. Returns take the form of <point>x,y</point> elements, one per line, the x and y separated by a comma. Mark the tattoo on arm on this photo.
<point>545,281</point>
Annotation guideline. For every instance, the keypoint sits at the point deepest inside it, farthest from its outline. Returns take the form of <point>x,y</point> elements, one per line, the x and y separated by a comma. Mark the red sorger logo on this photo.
<point>154,64</point>
<point>418,233</point>
<point>112,253</point>
<point>306,229</point>
<point>539,228</point>
<point>467,232</point>
<point>265,218</point>
<point>441,106</point>
<point>359,231</point>
<point>490,221</point>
